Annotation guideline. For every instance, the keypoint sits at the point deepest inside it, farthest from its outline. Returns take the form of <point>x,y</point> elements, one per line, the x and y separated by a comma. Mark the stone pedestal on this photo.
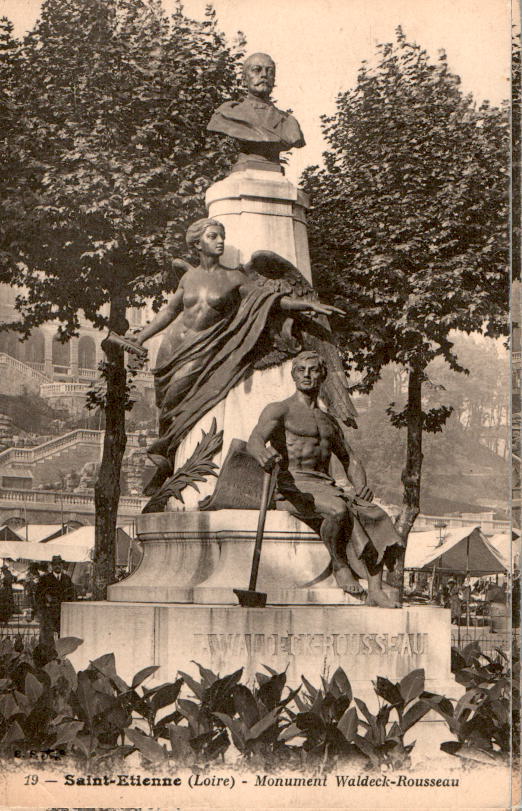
<point>310,640</point>
<point>261,211</point>
<point>200,557</point>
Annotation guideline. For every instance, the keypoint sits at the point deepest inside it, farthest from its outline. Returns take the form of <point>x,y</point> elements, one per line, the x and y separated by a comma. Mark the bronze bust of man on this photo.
<point>261,130</point>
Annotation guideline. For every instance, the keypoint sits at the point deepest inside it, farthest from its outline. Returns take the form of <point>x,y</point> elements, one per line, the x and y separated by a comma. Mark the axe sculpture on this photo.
<point>250,598</point>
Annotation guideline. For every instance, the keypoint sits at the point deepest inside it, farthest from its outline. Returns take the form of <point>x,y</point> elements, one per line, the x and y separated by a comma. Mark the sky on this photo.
<point>318,46</point>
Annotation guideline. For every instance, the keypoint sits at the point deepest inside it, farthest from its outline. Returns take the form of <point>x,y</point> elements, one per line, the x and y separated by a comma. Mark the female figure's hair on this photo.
<point>198,228</point>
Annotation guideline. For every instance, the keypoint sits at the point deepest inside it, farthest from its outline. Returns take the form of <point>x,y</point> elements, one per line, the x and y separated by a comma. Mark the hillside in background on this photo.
<point>466,465</point>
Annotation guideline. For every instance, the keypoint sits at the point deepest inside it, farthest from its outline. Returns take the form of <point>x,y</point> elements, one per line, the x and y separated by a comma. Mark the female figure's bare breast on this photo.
<point>207,298</point>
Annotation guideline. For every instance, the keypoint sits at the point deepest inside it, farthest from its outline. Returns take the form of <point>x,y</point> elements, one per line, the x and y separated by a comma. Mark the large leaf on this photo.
<point>236,728</point>
<point>245,704</point>
<point>367,749</point>
<point>179,741</point>
<point>471,753</point>
<point>87,696</point>
<point>348,724</point>
<point>149,748</point>
<point>312,691</point>
<point>13,734</point>
<point>290,732</point>
<point>412,685</point>
<point>166,695</point>
<point>67,732</point>
<point>67,644</point>
<point>105,664</point>
<point>367,714</point>
<point>207,676</point>
<point>389,691</point>
<point>309,722</point>
<point>195,686</point>
<point>141,675</point>
<point>33,688</point>
<point>341,684</point>
<point>190,711</point>
<point>470,701</point>
<point>263,724</point>
<point>414,714</point>
<point>270,692</point>
<point>440,703</point>
<point>8,706</point>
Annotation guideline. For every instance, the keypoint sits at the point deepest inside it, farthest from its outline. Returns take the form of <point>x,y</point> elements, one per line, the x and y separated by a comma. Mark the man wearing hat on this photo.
<point>454,600</point>
<point>54,588</point>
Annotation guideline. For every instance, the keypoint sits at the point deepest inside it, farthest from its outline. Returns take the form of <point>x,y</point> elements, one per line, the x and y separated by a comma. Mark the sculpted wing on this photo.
<point>303,332</point>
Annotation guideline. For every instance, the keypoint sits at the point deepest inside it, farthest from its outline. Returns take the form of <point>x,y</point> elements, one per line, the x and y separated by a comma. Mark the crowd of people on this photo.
<point>44,593</point>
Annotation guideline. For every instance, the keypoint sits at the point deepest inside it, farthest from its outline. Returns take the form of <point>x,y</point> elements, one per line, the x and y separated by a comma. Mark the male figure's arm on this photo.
<point>352,465</point>
<point>270,420</point>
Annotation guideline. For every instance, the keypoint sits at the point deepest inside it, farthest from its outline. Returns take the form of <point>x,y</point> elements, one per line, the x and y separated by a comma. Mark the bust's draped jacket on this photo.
<point>257,121</point>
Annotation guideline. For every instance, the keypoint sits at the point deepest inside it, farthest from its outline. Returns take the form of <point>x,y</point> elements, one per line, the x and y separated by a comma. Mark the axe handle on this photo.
<point>268,479</point>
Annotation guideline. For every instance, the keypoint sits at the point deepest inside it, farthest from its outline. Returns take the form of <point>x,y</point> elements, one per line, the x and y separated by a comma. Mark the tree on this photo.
<point>464,466</point>
<point>408,228</point>
<point>110,159</point>
<point>516,158</point>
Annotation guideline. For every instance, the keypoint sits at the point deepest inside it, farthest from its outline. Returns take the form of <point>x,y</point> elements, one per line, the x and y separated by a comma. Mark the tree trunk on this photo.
<point>107,487</point>
<point>411,475</point>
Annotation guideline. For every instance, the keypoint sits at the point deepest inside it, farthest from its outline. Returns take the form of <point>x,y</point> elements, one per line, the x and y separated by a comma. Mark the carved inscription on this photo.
<point>415,644</point>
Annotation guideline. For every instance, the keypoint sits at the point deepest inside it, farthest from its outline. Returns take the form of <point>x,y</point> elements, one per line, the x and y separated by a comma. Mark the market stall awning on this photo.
<point>38,533</point>
<point>25,550</point>
<point>464,549</point>
<point>84,536</point>
<point>504,546</point>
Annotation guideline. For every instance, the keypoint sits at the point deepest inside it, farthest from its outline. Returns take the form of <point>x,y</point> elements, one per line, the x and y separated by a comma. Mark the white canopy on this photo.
<point>505,547</point>
<point>25,550</point>
<point>36,533</point>
<point>83,537</point>
<point>464,549</point>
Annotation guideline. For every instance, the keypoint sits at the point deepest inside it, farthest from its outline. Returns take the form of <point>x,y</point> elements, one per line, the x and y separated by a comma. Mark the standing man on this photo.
<point>359,535</point>
<point>53,589</point>
<point>454,601</point>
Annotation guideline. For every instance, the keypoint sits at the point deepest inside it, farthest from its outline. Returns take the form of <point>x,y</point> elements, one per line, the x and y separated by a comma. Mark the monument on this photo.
<point>232,330</point>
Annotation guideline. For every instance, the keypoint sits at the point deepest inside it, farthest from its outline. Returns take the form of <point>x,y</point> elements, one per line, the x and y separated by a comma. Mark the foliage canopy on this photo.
<point>409,216</point>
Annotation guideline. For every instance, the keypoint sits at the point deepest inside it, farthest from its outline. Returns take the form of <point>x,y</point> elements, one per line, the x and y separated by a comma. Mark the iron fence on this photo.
<point>489,642</point>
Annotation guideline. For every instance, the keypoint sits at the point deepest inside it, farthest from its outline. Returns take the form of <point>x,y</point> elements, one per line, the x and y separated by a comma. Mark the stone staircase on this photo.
<point>62,454</point>
<point>16,376</point>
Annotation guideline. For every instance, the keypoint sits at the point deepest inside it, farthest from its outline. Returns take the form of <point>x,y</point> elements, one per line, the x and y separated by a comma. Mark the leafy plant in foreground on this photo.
<point>481,718</point>
<point>94,715</point>
<point>331,726</point>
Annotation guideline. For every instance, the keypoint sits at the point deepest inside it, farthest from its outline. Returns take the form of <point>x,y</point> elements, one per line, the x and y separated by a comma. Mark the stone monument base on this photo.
<point>200,557</point>
<point>311,640</point>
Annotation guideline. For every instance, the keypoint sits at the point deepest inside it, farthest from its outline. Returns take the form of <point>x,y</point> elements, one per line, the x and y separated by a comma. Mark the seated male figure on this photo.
<point>359,535</point>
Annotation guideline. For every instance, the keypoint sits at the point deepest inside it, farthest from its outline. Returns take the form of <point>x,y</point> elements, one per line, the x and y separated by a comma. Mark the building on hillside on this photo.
<point>60,372</point>
<point>48,478</point>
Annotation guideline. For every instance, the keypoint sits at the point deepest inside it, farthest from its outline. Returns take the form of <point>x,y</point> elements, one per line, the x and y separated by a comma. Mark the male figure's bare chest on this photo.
<point>301,421</point>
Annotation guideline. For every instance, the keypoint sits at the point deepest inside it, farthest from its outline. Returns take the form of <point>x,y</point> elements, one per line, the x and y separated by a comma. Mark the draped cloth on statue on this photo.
<point>201,370</point>
<point>373,533</point>
<point>257,121</point>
